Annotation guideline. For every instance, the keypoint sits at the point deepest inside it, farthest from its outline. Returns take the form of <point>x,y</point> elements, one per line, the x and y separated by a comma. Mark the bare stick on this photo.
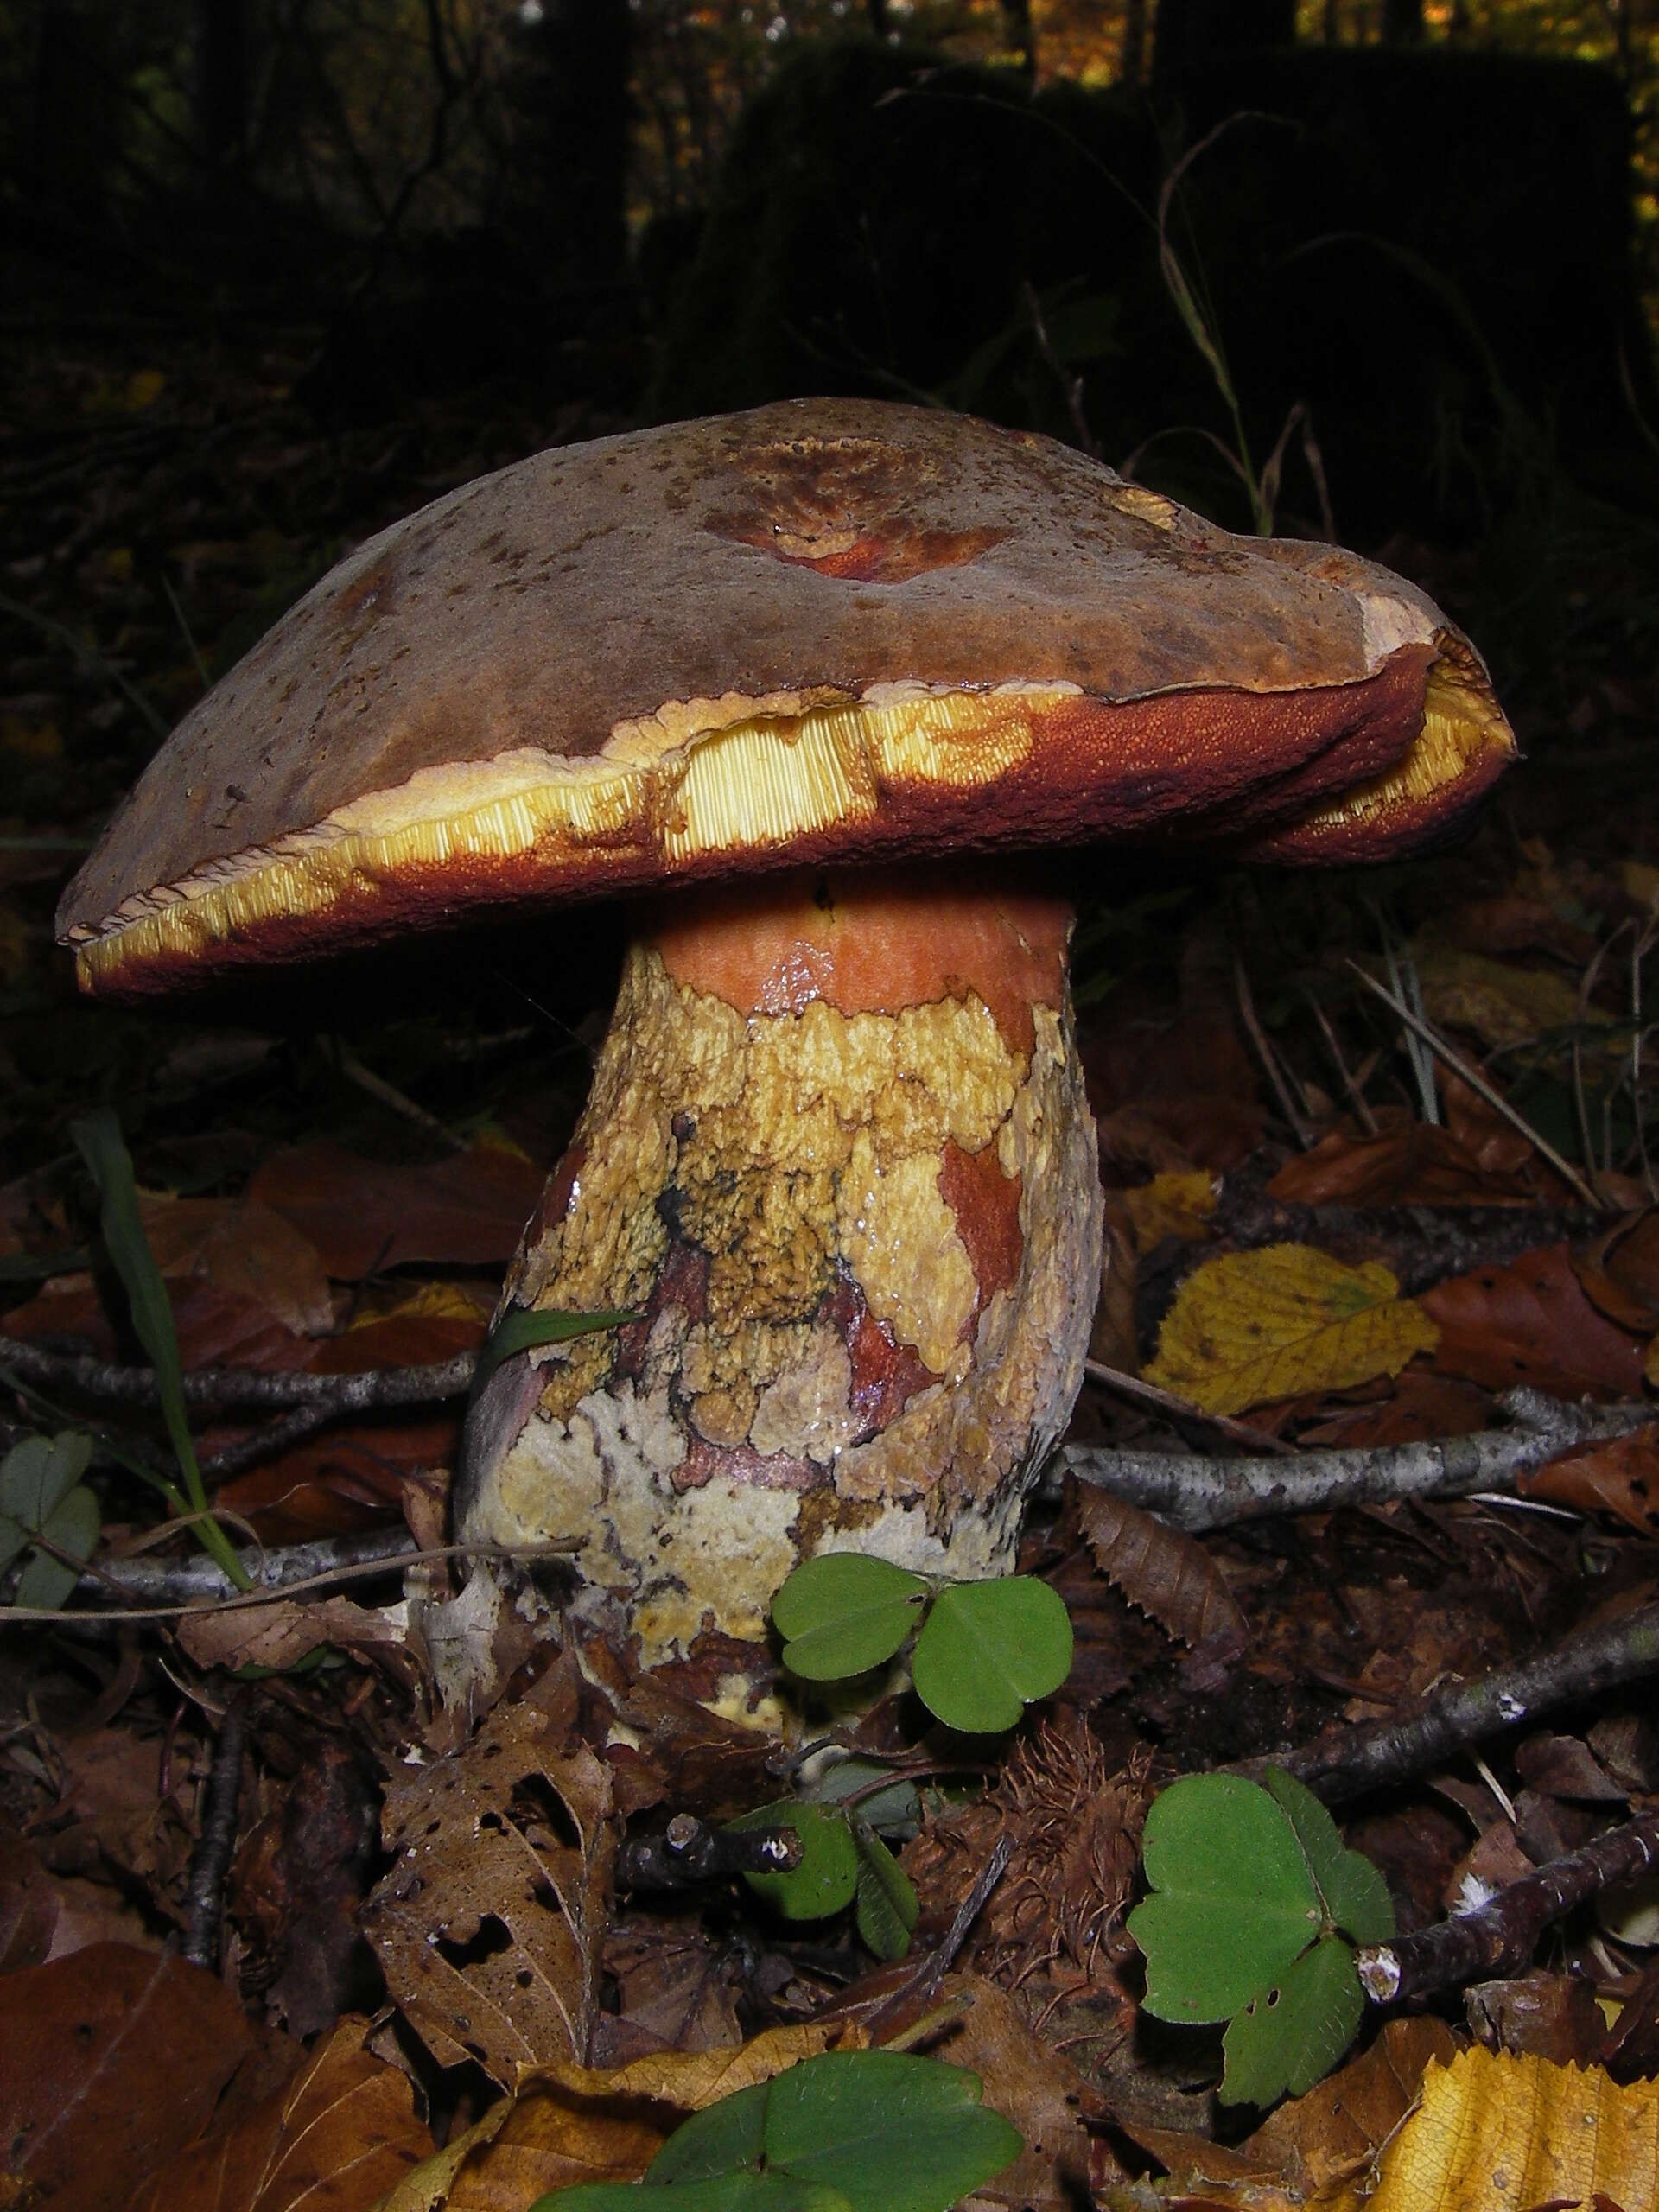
<point>204,1892</point>
<point>1267,1057</point>
<point>291,1570</point>
<point>1359,1759</point>
<point>1478,1083</point>
<point>1194,1493</point>
<point>1178,1408</point>
<point>243,1389</point>
<point>689,1852</point>
<point>1500,1937</point>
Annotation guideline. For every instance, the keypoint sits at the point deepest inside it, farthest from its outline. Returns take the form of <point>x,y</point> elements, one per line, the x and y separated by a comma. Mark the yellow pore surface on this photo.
<point>757,784</point>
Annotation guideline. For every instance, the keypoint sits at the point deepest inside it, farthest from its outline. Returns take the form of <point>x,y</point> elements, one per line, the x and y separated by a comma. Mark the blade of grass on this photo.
<point>98,1140</point>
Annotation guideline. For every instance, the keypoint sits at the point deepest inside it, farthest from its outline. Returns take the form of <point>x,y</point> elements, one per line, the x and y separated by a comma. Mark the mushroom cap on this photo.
<point>826,629</point>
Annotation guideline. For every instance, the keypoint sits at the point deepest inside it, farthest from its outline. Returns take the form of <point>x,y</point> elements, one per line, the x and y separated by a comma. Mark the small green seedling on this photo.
<point>98,1140</point>
<point>859,2131</point>
<point>984,1651</point>
<point>42,1495</point>
<point>1253,1894</point>
<point>522,1328</point>
<point>844,1861</point>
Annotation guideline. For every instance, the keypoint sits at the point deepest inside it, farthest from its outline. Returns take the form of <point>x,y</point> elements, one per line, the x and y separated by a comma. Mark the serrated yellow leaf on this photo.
<point>1494,2133</point>
<point>1253,1326</point>
<point>1502,1005</point>
<point>1170,1205</point>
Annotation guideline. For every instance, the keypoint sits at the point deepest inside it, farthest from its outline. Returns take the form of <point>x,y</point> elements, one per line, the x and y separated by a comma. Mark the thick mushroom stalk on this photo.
<point>837,1155</point>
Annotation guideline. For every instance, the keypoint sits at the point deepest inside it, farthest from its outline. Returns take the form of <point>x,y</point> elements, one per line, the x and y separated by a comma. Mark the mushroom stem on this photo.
<point>837,1154</point>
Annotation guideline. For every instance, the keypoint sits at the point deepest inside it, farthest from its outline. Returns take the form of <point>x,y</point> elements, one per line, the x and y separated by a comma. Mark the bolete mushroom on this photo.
<point>811,683</point>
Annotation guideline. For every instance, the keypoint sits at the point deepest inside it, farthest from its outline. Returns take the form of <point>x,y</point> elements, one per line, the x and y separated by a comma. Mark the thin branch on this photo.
<point>242,1390</point>
<point>1500,1938</point>
<point>1267,1057</point>
<point>277,1574</point>
<point>1478,1083</point>
<point>1194,1493</point>
<point>1178,1408</point>
<point>1570,1672</point>
<point>689,1852</point>
<point>210,1862</point>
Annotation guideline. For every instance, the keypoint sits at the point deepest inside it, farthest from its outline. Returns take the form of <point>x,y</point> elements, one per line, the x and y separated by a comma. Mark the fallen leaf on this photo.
<point>345,1479</point>
<point>1172,1205</point>
<point>336,2138</point>
<point>278,1635</point>
<point>1620,1272</point>
<point>1418,1165</point>
<point>1620,1477</point>
<point>1501,1004</point>
<point>1552,2016</point>
<point>1334,2133</point>
<point>1530,1322</point>
<point>1497,2134</point>
<point>110,2061</point>
<point>364,1215</point>
<point>566,2124</point>
<point>488,1927</point>
<point>29,1902</point>
<point>1250,1327</point>
<point>1168,1574</point>
<point>1037,2088</point>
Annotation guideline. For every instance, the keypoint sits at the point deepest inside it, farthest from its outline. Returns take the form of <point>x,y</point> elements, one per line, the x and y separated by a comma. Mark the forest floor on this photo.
<point>331,1175</point>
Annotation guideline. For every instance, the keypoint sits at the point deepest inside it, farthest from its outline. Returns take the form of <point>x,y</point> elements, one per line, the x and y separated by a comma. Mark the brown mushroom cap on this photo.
<point>827,629</point>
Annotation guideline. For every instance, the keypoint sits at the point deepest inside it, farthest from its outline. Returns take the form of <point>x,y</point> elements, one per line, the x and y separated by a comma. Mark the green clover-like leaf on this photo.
<point>988,1649</point>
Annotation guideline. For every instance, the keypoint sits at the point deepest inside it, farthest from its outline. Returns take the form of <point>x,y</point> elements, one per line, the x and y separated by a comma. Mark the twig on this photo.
<point>1500,1937</point>
<point>689,1852</point>
<point>1478,1083</point>
<point>921,1988</point>
<point>1356,1096</point>
<point>1194,1493</point>
<point>1580,1668</point>
<point>1179,1408</point>
<point>397,1101</point>
<point>1267,1057</point>
<point>243,1389</point>
<point>277,1574</point>
<point>204,1893</point>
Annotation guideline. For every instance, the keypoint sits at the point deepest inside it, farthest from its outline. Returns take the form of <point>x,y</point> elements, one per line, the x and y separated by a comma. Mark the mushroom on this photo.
<point>812,684</point>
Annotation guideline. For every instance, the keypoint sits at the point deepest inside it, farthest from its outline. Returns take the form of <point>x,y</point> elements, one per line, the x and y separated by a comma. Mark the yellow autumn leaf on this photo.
<point>565,2125</point>
<point>1502,1005</point>
<point>1253,1326</point>
<point>1174,1204</point>
<point>1494,2133</point>
<point>1640,880</point>
<point>1650,1362</point>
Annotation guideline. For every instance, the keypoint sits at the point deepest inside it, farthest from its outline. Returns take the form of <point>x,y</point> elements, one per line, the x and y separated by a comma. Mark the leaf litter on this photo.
<point>301,1222</point>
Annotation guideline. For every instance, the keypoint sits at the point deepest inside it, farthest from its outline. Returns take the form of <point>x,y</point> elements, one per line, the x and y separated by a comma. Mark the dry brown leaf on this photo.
<point>1037,2088</point>
<point>1620,1272</point>
<point>1251,1327</point>
<point>335,2138</point>
<point>1620,1477</point>
<point>1417,1165</point>
<point>1530,1322</point>
<point>1167,1573</point>
<point>348,1479</point>
<point>566,2123</point>
<point>1333,2134</point>
<point>110,2061</point>
<point>364,1215</point>
<point>280,1634</point>
<point>1499,2134</point>
<point>488,1927</point>
<point>29,1902</point>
